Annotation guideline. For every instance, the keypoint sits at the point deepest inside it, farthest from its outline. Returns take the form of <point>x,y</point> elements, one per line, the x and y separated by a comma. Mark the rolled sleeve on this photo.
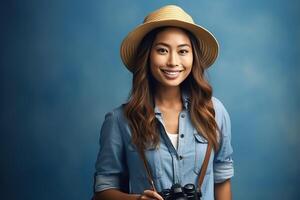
<point>105,182</point>
<point>110,165</point>
<point>223,162</point>
<point>223,171</point>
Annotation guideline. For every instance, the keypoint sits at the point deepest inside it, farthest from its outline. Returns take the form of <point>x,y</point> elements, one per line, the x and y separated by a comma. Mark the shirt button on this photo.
<point>182,115</point>
<point>180,157</point>
<point>182,135</point>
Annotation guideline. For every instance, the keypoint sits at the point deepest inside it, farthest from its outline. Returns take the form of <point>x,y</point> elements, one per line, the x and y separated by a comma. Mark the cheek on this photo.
<point>156,62</point>
<point>153,64</point>
<point>188,62</point>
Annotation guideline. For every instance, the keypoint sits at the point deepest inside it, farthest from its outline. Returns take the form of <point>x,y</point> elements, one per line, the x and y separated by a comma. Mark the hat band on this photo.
<point>169,14</point>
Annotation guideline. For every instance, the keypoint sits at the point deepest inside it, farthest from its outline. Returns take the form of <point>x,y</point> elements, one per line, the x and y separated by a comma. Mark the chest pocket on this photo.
<point>200,150</point>
<point>136,165</point>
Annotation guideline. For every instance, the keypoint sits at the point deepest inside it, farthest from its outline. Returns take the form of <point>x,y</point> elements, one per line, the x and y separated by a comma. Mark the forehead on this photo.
<point>172,35</point>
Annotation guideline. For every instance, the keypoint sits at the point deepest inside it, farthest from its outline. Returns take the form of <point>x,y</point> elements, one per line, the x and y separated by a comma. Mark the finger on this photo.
<point>145,197</point>
<point>152,194</point>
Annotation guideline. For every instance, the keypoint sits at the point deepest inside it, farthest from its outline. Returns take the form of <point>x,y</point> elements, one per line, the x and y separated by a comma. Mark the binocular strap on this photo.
<point>202,170</point>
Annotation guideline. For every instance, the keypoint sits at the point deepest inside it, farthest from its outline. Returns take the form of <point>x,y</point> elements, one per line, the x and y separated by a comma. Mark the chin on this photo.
<point>171,83</point>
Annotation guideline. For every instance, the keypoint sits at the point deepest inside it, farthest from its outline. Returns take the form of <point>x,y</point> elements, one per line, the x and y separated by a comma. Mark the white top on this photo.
<point>174,139</point>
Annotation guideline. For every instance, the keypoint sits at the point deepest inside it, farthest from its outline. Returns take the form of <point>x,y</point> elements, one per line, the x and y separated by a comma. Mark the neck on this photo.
<point>168,97</point>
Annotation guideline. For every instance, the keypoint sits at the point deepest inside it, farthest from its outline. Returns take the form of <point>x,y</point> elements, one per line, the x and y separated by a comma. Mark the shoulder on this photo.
<point>221,114</point>
<point>116,113</point>
<point>116,116</point>
<point>218,105</point>
<point>115,125</point>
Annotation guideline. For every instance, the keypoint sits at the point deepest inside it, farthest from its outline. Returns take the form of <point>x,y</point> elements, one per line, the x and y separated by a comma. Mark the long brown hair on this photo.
<point>139,110</point>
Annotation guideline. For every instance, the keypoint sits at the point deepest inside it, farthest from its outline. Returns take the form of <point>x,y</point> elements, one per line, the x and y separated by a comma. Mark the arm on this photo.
<point>114,194</point>
<point>223,162</point>
<point>111,178</point>
<point>223,190</point>
<point>111,170</point>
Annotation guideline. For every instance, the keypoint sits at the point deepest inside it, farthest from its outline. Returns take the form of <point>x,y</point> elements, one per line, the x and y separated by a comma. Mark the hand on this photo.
<point>149,195</point>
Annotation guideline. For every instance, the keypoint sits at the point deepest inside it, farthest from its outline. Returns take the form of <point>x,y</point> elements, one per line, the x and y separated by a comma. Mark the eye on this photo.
<point>183,51</point>
<point>162,51</point>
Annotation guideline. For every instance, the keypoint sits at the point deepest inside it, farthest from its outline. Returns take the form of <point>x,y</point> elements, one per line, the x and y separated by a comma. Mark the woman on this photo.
<point>161,136</point>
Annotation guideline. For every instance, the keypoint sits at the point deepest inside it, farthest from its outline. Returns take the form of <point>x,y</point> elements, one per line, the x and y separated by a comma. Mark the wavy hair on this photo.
<point>139,110</point>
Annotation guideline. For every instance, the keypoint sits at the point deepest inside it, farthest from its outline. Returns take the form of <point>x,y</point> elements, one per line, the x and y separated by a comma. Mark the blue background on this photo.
<point>61,72</point>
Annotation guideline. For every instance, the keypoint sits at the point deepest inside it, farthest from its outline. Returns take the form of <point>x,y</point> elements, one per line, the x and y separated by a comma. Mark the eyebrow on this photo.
<point>165,44</point>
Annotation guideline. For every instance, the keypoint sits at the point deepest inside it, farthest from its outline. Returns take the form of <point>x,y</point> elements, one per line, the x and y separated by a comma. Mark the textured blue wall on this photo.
<point>61,72</point>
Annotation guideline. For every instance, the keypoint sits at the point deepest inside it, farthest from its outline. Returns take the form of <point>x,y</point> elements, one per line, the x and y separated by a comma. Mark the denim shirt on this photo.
<point>119,165</point>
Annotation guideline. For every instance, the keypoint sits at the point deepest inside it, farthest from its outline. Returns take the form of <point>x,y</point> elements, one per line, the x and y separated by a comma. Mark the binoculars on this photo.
<point>176,192</point>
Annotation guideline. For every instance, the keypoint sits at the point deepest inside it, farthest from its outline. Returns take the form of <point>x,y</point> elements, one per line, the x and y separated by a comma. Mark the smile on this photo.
<point>171,74</point>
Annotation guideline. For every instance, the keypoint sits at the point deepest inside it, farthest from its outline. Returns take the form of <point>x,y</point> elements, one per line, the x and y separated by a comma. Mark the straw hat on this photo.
<point>169,15</point>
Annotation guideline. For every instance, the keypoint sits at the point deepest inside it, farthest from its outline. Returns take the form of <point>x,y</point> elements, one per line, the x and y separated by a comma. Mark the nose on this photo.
<point>173,60</point>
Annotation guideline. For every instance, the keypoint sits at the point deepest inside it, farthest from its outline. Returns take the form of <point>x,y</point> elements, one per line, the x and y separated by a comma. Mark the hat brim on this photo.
<point>208,44</point>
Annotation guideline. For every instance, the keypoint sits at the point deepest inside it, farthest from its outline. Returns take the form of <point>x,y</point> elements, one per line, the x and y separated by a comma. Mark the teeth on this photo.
<point>171,73</point>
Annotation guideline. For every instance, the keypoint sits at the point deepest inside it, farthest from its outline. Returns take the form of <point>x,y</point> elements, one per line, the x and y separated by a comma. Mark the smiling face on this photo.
<point>171,57</point>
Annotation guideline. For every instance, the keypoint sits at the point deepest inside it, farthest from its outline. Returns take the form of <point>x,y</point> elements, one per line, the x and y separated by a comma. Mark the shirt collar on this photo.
<point>185,99</point>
